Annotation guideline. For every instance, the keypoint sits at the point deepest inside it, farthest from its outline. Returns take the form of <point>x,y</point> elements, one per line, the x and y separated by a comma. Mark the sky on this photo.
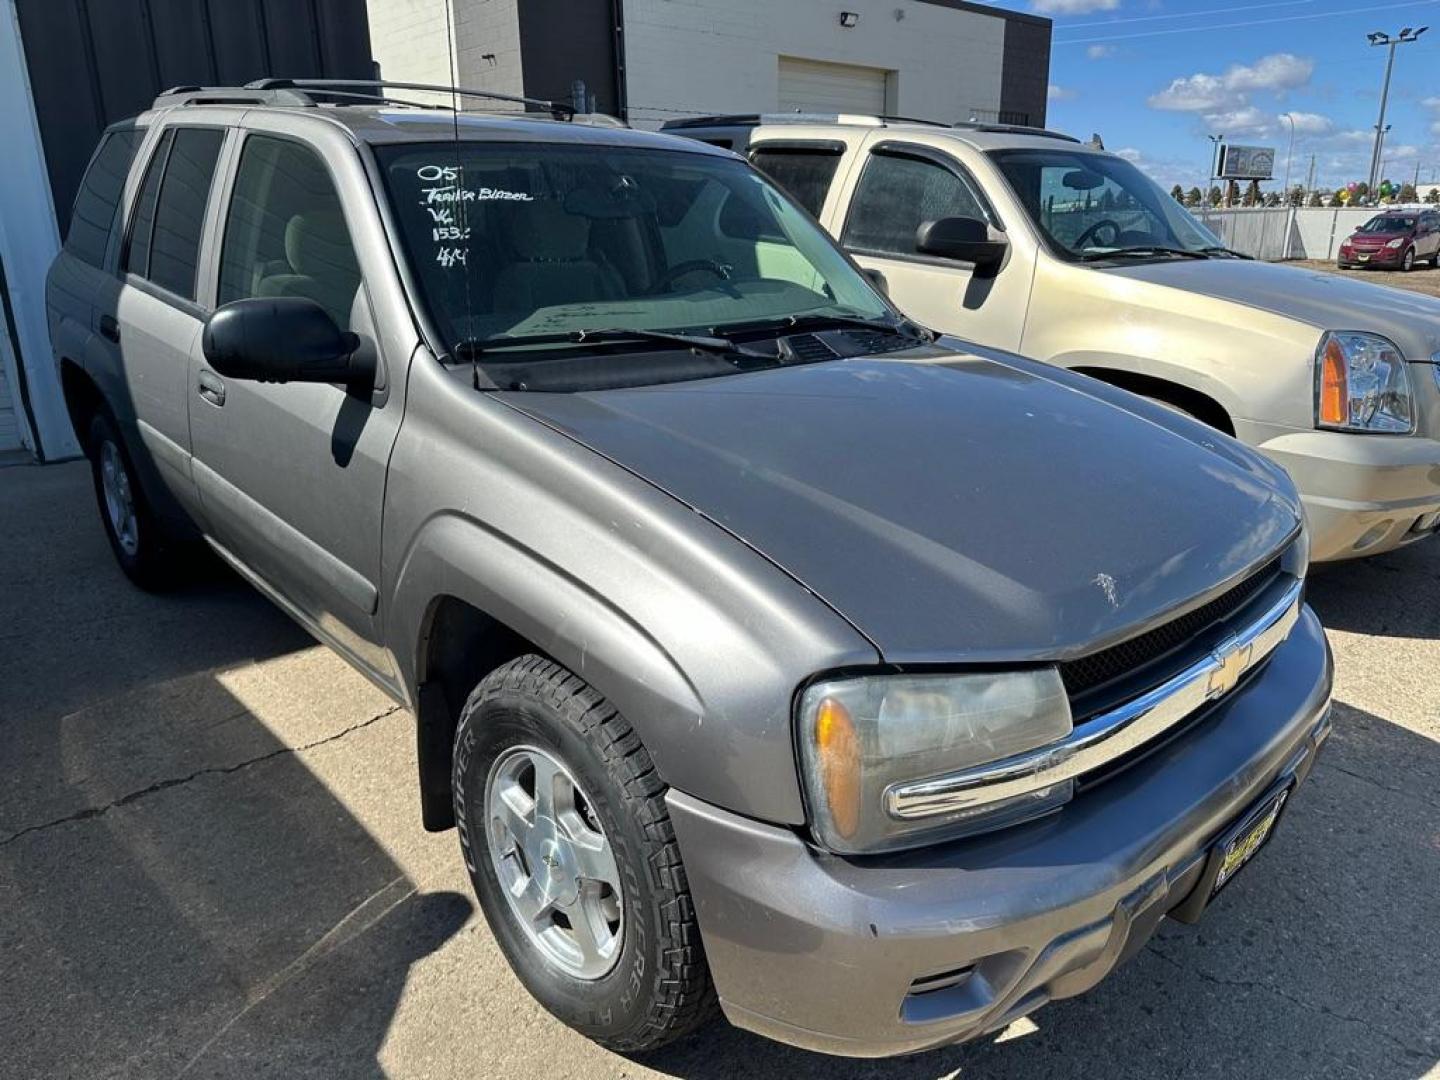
<point>1155,77</point>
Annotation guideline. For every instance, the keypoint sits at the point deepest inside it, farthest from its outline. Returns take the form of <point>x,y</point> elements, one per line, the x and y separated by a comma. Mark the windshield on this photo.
<point>1386,224</point>
<point>514,241</point>
<point>1088,205</point>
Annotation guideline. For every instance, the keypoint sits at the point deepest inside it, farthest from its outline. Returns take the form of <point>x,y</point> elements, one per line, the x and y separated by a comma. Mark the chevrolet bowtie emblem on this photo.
<point>1234,659</point>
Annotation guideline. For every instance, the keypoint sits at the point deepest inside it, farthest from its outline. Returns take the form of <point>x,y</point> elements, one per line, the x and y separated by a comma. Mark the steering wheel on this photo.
<point>691,266</point>
<point>1084,239</point>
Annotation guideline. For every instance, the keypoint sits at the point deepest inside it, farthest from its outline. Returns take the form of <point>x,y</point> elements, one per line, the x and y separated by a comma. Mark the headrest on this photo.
<point>542,230</point>
<point>316,241</point>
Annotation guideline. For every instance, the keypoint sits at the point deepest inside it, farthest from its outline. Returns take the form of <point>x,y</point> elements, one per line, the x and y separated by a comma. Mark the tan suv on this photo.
<point>1027,240</point>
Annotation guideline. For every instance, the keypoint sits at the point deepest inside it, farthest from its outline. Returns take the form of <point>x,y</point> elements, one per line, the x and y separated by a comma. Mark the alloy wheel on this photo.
<point>554,862</point>
<point>119,498</point>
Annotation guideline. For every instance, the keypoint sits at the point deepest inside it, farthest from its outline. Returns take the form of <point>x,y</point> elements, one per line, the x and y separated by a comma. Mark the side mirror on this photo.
<point>877,279</point>
<point>282,339</point>
<point>965,239</point>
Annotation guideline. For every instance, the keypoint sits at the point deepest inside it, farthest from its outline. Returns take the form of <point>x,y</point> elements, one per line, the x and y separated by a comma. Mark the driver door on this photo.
<point>902,185</point>
<point>292,475</point>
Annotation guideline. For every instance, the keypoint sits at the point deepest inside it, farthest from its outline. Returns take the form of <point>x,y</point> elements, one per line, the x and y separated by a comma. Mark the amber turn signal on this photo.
<point>1334,391</point>
<point>839,756</point>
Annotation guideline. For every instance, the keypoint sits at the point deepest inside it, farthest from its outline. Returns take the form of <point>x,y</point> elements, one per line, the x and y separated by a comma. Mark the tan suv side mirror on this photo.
<point>964,239</point>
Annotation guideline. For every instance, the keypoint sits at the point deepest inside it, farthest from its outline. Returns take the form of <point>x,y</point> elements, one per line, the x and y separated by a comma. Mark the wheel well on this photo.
<point>82,399</point>
<point>1201,406</point>
<point>459,646</point>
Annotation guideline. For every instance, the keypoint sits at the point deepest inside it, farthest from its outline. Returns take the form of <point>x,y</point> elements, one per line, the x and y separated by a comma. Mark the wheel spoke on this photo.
<point>594,859</point>
<point>583,915</point>
<point>548,778</point>
<point>531,902</point>
<point>514,810</point>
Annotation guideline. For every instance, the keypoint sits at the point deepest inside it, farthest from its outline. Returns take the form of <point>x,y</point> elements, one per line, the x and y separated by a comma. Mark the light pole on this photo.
<point>1405,37</point>
<point>1215,141</point>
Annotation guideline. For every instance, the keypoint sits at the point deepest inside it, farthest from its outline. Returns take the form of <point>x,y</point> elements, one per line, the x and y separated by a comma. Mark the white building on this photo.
<point>652,60</point>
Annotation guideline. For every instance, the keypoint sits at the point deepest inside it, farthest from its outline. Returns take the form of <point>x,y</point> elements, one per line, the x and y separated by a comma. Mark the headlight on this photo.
<point>1398,242</point>
<point>860,736</point>
<point>1362,384</point>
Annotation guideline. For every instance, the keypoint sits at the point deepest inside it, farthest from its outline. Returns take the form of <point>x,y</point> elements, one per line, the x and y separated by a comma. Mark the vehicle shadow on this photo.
<point>1320,960</point>
<point>183,894</point>
<point>1381,595</point>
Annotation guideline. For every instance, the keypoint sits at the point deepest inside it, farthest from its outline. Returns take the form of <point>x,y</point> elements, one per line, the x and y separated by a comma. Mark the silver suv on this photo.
<point>764,650</point>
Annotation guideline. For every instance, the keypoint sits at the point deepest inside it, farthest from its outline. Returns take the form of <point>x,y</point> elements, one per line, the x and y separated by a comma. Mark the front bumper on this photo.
<point>1381,256</point>
<point>1363,494</point>
<point>890,955</point>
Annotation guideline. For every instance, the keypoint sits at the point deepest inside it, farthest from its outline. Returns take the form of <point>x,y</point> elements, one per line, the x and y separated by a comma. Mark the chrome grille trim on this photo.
<point>1110,735</point>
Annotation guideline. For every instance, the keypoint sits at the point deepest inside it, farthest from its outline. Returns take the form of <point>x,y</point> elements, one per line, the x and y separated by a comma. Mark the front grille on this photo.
<point>1088,674</point>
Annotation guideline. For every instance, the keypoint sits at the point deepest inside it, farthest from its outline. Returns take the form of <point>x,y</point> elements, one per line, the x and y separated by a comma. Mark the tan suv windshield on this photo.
<point>1089,205</point>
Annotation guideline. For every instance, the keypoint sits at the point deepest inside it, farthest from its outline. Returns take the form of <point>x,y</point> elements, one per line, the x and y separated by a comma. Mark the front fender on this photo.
<point>698,639</point>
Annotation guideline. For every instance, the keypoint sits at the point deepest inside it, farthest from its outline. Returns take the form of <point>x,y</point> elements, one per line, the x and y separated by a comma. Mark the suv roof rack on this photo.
<point>755,119</point>
<point>854,119</point>
<point>307,93</point>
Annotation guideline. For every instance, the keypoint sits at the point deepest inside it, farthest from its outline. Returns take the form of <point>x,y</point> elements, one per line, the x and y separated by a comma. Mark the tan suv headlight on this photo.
<point>861,736</point>
<point>1362,383</point>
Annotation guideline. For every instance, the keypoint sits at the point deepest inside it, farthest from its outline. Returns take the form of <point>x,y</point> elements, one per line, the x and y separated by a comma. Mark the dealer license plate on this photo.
<point>1246,839</point>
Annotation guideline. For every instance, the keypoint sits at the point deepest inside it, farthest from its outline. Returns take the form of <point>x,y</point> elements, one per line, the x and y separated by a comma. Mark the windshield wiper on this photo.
<point>822,321</point>
<point>473,348</point>
<point>1231,252</point>
<point>1141,252</point>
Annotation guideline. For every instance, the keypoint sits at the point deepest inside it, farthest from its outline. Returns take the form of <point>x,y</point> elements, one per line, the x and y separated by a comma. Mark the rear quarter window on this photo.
<point>93,216</point>
<point>805,172</point>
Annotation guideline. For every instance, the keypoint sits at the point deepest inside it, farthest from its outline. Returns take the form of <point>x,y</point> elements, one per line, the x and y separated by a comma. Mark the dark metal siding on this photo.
<point>586,48</point>
<point>1025,77</point>
<point>92,62</point>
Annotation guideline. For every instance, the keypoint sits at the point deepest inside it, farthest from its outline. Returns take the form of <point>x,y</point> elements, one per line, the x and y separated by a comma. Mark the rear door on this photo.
<point>157,317</point>
<point>292,475</point>
<point>902,184</point>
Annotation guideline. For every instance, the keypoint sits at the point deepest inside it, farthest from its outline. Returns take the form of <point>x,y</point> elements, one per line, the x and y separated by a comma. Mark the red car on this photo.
<point>1394,239</point>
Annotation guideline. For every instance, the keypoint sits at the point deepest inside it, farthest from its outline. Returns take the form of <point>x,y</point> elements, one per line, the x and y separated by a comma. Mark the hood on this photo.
<point>1323,300</point>
<point>1377,239</point>
<point>955,508</point>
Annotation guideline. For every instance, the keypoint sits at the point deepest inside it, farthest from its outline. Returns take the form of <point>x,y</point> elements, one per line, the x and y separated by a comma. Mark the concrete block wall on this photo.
<point>699,56</point>
<point>413,41</point>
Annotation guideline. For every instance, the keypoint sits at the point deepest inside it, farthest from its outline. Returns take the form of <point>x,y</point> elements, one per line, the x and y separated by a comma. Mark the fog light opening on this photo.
<point>1374,535</point>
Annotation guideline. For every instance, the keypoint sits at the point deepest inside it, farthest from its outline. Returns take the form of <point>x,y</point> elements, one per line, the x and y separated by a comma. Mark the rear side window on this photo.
<point>164,244</point>
<point>94,213</point>
<point>285,233</point>
<point>804,172</point>
<point>896,194</point>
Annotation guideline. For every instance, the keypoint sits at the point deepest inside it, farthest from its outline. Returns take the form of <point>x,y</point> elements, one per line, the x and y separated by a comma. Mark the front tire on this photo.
<point>568,841</point>
<point>1407,261</point>
<point>137,539</point>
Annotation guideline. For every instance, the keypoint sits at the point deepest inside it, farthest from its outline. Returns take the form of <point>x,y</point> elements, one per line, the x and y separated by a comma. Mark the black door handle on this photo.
<point>211,388</point>
<point>110,328</point>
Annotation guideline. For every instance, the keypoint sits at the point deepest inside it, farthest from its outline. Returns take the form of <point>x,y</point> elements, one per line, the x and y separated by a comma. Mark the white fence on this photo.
<point>1286,232</point>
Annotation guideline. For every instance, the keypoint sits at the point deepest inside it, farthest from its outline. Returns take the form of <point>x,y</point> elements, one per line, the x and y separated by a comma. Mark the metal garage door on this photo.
<point>812,86</point>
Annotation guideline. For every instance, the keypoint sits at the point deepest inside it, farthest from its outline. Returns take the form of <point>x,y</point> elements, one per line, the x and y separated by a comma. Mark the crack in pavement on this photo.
<point>211,770</point>
<point>1308,1006</point>
<point>1417,797</point>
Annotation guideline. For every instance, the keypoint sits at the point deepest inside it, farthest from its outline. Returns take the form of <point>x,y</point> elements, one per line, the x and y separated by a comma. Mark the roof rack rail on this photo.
<point>753,119</point>
<point>306,93</point>
<point>1013,129</point>
<point>867,120</point>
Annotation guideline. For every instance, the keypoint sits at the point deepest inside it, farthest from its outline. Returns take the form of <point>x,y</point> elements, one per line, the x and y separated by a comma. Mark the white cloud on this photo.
<point>1060,93</point>
<point>1203,92</point>
<point>1308,123</point>
<point>1073,7</point>
<point>1129,153</point>
<point>1246,120</point>
<point>1100,52</point>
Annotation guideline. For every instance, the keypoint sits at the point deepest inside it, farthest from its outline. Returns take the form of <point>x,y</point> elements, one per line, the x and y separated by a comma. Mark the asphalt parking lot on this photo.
<point>211,864</point>
<point>1425,280</point>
